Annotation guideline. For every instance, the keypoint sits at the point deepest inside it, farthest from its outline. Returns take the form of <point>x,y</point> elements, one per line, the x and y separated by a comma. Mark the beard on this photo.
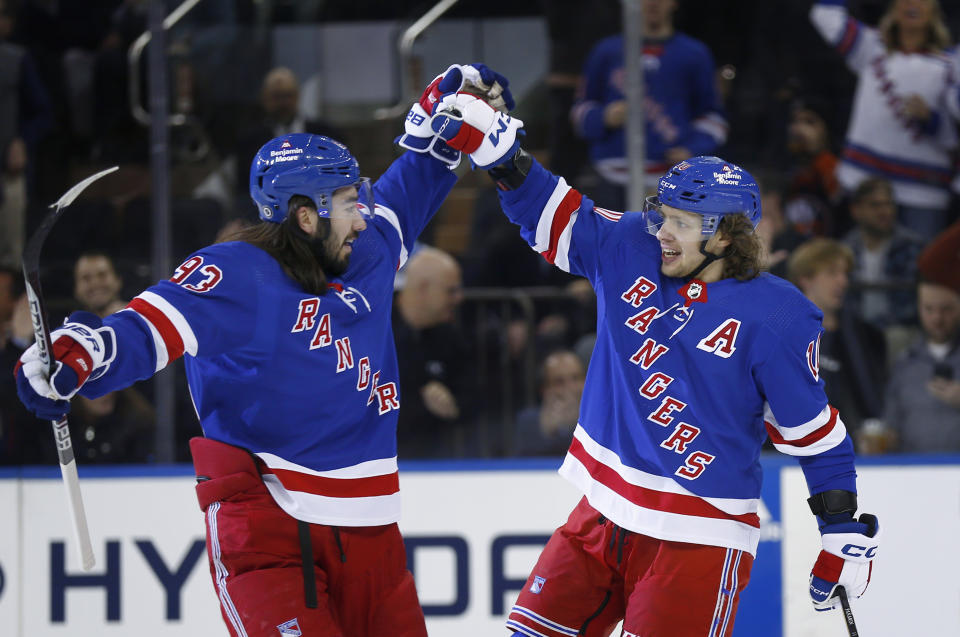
<point>325,250</point>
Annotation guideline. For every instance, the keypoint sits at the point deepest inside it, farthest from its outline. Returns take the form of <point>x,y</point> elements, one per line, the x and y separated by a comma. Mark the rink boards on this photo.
<point>473,530</point>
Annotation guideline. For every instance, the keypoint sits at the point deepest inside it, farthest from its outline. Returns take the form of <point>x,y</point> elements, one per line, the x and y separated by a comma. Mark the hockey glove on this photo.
<point>469,124</point>
<point>849,547</point>
<point>475,78</point>
<point>82,349</point>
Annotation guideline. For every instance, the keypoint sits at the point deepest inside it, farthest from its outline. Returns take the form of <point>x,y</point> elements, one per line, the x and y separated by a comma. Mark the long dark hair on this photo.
<point>743,258</point>
<point>290,246</point>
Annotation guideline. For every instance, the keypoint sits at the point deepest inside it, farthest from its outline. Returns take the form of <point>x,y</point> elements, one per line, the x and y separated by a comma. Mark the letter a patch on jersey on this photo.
<point>290,628</point>
<point>722,341</point>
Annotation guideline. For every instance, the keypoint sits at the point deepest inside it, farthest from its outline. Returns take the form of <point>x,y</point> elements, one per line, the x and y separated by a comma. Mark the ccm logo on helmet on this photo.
<point>854,550</point>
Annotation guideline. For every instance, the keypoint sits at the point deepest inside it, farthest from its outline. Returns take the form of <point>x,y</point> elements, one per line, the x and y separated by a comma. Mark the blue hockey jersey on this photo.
<point>681,103</point>
<point>686,381</point>
<point>306,383</point>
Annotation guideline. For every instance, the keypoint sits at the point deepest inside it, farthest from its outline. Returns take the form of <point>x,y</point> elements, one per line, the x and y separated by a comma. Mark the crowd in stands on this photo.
<point>846,112</point>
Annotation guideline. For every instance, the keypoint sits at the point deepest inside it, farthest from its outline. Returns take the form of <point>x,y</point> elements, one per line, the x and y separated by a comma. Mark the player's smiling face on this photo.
<point>680,237</point>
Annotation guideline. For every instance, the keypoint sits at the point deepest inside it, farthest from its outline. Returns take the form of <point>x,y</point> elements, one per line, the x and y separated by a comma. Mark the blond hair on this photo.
<point>938,36</point>
<point>816,254</point>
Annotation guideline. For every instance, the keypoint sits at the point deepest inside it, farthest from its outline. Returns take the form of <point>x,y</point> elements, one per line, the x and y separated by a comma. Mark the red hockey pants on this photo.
<point>257,552</point>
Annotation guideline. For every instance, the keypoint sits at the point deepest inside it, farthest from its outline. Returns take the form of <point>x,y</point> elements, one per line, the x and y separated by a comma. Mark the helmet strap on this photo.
<point>708,258</point>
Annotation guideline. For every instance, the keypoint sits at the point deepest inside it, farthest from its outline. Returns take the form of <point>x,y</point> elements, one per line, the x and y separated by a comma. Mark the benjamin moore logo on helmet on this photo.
<point>729,176</point>
<point>286,153</point>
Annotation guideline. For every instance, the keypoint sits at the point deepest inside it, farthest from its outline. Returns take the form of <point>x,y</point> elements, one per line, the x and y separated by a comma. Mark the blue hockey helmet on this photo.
<point>708,186</point>
<point>313,166</point>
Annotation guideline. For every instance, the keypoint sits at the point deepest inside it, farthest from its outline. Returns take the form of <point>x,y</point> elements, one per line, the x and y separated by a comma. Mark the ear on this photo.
<point>718,243</point>
<point>307,219</point>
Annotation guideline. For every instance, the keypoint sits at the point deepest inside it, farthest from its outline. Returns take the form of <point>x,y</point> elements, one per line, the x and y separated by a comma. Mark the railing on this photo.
<point>510,380</point>
<point>409,73</point>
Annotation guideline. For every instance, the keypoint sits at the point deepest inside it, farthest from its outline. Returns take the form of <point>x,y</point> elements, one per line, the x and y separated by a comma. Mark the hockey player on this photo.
<point>292,369</point>
<point>699,358</point>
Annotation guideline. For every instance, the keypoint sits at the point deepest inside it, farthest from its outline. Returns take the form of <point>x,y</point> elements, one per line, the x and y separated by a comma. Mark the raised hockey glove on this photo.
<point>849,548</point>
<point>82,348</point>
<point>473,78</point>
<point>469,124</point>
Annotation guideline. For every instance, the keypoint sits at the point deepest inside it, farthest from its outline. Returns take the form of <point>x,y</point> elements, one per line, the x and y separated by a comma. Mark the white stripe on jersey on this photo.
<point>318,509</point>
<point>174,316</point>
<point>829,440</point>
<point>379,467</point>
<point>733,506</point>
<point>545,225</point>
<point>663,525</point>
<point>562,259</point>
<point>391,216</point>
<point>610,215</point>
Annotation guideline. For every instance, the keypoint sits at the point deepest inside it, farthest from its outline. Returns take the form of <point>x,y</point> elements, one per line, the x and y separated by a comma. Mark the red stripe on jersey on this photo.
<point>336,487</point>
<point>169,334</point>
<point>807,440</point>
<point>608,214</point>
<point>569,203</point>
<point>849,37</point>
<point>651,498</point>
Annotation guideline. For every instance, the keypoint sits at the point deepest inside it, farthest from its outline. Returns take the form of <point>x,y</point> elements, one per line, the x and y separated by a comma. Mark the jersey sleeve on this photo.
<point>407,195</point>
<point>209,306</point>
<point>797,416</point>
<point>855,41</point>
<point>563,226</point>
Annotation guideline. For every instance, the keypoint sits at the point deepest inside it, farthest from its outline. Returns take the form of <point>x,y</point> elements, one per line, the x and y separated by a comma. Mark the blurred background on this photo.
<point>494,364</point>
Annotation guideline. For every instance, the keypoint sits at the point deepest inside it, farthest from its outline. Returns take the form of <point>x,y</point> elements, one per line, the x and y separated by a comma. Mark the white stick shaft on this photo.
<point>77,514</point>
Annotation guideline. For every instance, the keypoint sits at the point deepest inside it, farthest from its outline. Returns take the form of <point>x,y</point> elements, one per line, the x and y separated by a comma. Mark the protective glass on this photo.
<point>344,203</point>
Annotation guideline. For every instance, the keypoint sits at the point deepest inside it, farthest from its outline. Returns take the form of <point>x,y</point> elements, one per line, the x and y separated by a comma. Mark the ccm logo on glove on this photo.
<point>853,550</point>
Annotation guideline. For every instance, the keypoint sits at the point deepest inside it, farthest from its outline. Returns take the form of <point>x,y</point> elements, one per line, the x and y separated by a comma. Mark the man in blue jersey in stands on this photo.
<point>699,358</point>
<point>292,369</point>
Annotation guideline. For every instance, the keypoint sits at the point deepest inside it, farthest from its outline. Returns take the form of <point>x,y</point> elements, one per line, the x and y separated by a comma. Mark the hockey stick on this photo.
<point>41,330</point>
<point>847,613</point>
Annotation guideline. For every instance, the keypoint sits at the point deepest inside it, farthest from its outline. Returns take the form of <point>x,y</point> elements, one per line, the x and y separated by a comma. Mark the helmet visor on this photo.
<point>683,224</point>
<point>347,202</point>
<point>652,216</point>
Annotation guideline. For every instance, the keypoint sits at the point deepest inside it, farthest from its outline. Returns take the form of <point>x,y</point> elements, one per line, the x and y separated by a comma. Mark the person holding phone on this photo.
<point>923,395</point>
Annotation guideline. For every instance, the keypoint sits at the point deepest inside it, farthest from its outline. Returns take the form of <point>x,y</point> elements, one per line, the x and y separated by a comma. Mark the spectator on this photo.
<point>25,115</point>
<point>923,396</point>
<point>681,103</point>
<point>898,128</point>
<point>431,355</point>
<point>279,115</point>
<point>113,428</point>
<point>812,192</point>
<point>23,438</point>
<point>96,284</point>
<point>884,254</point>
<point>573,27</point>
<point>852,353</point>
<point>546,430</point>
